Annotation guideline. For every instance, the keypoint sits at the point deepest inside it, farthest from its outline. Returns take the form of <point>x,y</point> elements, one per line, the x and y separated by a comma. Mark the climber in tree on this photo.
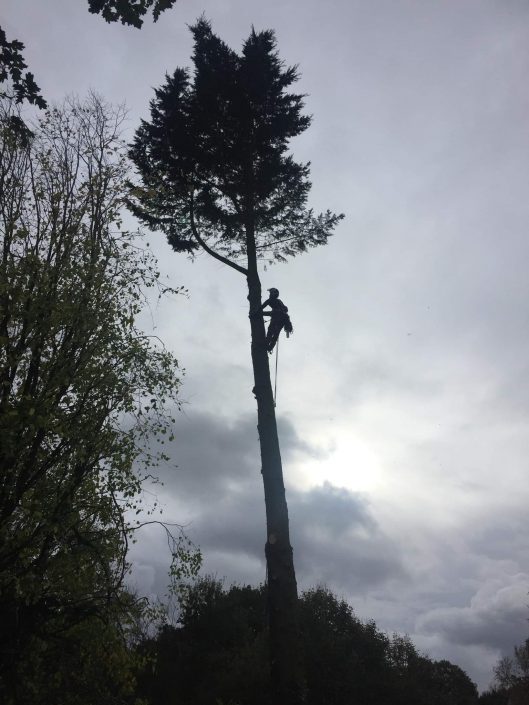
<point>279,319</point>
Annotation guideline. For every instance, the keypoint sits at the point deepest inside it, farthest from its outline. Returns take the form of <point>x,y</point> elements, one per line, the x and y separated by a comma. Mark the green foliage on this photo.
<point>12,67</point>
<point>129,12</point>
<point>213,159</point>
<point>345,660</point>
<point>82,390</point>
<point>217,653</point>
<point>81,664</point>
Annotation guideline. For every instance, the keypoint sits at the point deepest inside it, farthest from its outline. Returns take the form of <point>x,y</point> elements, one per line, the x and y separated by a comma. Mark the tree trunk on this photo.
<point>285,652</point>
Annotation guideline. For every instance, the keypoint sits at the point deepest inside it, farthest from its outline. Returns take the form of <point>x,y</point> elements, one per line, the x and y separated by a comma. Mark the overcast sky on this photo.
<point>403,396</point>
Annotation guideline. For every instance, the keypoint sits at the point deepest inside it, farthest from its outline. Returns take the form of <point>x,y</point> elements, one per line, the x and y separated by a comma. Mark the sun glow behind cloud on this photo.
<point>351,463</point>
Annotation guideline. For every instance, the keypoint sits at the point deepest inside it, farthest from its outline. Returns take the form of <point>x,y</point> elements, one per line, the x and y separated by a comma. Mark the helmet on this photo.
<point>274,291</point>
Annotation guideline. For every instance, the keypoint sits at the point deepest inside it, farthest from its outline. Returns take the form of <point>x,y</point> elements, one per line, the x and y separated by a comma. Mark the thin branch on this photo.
<point>208,249</point>
<point>270,245</point>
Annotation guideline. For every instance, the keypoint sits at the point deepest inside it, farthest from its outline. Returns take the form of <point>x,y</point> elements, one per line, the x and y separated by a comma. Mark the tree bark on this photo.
<point>285,652</point>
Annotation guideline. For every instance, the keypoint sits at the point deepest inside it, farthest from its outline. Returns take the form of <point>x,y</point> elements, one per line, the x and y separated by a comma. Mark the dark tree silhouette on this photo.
<point>128,12</point>
<point>494,696</point>
<point>216,176</point>
<point>12,68</point>
<point>511,675</point>
<point>216,653</point>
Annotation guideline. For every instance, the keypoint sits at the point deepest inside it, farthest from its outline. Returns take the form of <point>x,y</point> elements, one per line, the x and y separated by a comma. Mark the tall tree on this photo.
<point>78,383</point>
<point>216,176</point>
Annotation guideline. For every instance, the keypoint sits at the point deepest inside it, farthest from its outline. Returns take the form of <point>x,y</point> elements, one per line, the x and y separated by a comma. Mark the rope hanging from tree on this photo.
<point>275,381</point>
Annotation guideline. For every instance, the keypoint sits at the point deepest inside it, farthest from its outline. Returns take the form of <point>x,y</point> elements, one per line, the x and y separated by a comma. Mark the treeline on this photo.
<point>217,654</point>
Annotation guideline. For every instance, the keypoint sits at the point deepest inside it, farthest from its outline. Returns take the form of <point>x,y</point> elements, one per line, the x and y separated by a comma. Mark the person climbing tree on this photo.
<point>279,318</point>
<point>216,176</point>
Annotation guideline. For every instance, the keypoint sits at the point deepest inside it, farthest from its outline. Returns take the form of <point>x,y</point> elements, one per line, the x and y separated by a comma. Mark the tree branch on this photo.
<point>208,249</point>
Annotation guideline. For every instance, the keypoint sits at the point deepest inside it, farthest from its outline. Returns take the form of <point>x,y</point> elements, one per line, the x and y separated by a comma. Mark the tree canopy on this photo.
<point>214,158</point>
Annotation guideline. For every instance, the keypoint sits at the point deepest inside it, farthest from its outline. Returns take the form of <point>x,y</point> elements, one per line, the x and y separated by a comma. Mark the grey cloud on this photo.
<point>496,616</point>
<point>336,510</point>
<point>503,539</point>
<point>212,455</point>
<point>337,541</point>
<point>217,491</point>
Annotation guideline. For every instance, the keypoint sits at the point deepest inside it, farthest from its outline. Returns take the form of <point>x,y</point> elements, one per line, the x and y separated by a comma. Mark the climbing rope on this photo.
<point>275,382</point>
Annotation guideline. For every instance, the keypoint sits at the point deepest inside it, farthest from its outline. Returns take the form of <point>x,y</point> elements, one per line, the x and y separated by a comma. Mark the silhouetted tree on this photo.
<point>12,70</point>
<point>450,684</point>
<point>129,11</point>
<point>494,696</point>
<point>216,653</point>
<point>511,675</point>
<point>216,176</point>
<point>345,659</point>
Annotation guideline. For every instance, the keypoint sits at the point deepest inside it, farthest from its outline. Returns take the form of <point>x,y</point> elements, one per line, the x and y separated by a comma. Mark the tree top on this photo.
<point>214,161</point>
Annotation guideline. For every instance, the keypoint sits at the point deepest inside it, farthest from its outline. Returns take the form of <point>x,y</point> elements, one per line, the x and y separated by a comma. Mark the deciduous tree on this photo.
<point>80,387</point>
<point>511,675</point>
<point>215,653</point>
<point>13,72</point>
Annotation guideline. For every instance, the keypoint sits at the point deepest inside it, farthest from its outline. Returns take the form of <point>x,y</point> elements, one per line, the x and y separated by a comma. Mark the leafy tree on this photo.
<point>78,664</point>
<point>419,679</point>
<point>348,661</point>
<point>511,675</point>
<point>216,176</point>
<point>345,659</point>
<point>215,653</point>
<point>450,684</point>
<point>80,390</point>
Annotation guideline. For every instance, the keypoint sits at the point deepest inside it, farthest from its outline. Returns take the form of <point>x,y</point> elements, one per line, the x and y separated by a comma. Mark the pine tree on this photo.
<point>216,175</point>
